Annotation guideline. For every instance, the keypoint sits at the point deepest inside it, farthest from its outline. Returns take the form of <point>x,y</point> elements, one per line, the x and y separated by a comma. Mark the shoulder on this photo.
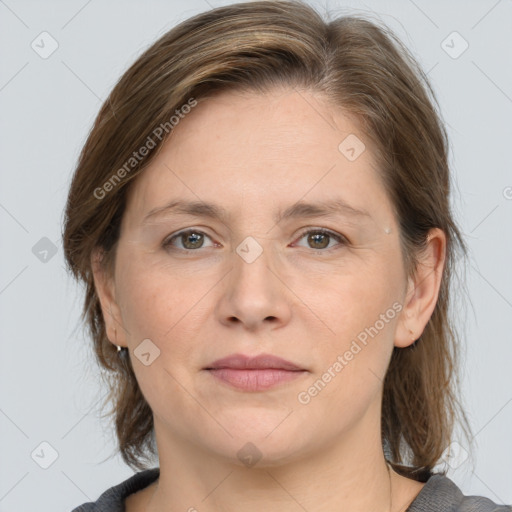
<point>442,494</point>
<point>113,499</point>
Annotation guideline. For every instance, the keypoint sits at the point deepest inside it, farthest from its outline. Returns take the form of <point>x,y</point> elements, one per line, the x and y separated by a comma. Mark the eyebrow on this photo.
<point>299,209</point>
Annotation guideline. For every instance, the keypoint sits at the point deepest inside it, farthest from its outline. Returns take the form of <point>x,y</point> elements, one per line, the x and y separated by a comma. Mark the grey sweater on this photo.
<point>439,494</point>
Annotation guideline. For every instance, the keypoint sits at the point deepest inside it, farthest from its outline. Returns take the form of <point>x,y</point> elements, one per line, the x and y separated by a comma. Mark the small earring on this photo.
<point>115,340</point>
<point>413,338</point>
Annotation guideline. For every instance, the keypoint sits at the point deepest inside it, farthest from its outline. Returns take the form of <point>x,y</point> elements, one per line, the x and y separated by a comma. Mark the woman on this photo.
<point>261,218</point>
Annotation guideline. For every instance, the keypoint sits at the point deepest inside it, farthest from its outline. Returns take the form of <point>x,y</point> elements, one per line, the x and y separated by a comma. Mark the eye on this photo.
<point>190,239</point>
<point>320,238</point>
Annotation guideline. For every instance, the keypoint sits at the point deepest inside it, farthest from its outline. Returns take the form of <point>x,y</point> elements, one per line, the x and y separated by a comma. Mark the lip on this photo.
<point>254,373</point>
<point>260,362</point>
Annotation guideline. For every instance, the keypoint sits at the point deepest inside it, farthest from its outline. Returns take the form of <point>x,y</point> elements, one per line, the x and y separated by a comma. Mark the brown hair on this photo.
<point>357,65</point>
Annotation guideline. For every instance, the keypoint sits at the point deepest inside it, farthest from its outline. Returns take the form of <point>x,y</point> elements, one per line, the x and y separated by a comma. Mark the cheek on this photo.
<point>156,301</point>
<point>360,310</point>
<point>354,359</point>
<point>148,306</point>
<point>348,303</point>
<point>160,308</point>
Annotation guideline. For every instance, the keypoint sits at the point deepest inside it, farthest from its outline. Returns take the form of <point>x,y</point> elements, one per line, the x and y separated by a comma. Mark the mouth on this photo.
<point>254,373</point>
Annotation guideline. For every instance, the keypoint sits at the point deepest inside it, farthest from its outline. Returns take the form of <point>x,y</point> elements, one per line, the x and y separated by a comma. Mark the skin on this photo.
<point>253,154</point>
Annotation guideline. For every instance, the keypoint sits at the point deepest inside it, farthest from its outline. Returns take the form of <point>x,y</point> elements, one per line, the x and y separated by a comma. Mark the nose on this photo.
<point>255,295</point>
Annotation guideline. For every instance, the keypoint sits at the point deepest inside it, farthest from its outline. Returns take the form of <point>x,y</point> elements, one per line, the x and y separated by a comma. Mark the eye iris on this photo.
<point>195,237</point>
<point>314,238</point>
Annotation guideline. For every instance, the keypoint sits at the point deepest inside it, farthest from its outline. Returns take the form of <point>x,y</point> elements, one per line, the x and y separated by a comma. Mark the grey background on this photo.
<point>50,388</point>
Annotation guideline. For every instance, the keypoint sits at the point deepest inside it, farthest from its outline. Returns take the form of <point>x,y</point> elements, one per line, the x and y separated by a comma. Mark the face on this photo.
<point>325,292</point>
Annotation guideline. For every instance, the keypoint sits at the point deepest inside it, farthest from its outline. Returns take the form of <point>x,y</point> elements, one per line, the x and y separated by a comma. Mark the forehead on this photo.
<point>244,146</point>
<point>277,119</point>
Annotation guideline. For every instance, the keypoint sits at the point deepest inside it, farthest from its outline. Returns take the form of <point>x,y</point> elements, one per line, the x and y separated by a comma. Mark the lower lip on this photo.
<point>255,380</point>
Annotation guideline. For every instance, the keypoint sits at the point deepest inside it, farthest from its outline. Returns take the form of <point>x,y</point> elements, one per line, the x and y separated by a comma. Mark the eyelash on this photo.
<point>167,243</point>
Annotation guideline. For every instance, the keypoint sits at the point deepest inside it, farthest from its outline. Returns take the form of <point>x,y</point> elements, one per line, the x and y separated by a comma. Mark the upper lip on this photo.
<point>262,361</point>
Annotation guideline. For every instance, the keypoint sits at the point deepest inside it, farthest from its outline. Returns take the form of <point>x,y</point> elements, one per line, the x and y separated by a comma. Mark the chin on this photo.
<point>266,444</point>
<point>263,454</point>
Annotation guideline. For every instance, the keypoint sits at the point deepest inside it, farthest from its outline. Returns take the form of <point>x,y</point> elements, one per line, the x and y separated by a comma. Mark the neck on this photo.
<point>350,475</point>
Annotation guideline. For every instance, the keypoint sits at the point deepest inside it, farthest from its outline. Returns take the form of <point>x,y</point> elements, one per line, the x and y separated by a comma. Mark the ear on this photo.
<point>105,289</point>
<point>422,290</point>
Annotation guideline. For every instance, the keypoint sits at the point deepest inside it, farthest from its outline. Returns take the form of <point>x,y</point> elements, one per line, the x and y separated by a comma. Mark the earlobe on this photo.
<point>405,335</point>
<point>423,290</point>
